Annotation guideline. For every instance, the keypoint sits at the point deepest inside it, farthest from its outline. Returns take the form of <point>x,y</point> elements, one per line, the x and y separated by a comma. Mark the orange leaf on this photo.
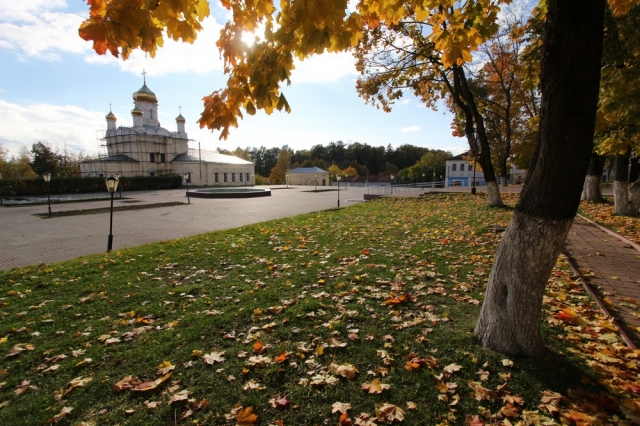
<point>245,417</point>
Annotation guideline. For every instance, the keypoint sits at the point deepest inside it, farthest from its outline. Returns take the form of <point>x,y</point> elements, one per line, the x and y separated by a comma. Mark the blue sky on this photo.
<point>54,88</point>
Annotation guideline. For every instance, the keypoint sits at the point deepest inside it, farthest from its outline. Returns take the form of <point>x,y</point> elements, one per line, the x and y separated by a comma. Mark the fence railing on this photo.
<point>404,188</point>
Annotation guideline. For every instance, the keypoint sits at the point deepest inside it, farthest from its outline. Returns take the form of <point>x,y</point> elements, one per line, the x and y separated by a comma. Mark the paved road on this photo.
<point>26,239</point>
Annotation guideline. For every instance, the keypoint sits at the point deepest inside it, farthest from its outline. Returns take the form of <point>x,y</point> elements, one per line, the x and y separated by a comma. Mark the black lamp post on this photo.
<point>186,181</point>
<point>338,179</point>
<point>112,186</point>
<point>391,186</point>
<point>119,186</point>
<point>423,180</point>
<point>287,178</point>
<point>253,180</point>
<point>47,178</point>
<point>473,184</point>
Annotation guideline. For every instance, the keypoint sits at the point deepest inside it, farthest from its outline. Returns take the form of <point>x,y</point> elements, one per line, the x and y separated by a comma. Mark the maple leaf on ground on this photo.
<point>412,406</point>
<point>345,370</point>
<point>452,368</point>
<point>280,401</point>
<point>389,412</point>
<point>259,348</point>
<point>213,357</point>
<point>375,386</point>
<point>164,368</point>
<point>365,419</point>
<point>61,415</point>
<point>480,392</point>
<point>474,421</point>
<point>150,385</point>
<point>341,407</point>
<point>183,395</point>
<point>152,405</point>
<point>284,356</point>
<point>245,417</point>
<point>24,387</point>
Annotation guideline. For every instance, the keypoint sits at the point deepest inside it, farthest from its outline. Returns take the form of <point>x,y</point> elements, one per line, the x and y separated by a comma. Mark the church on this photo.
<point>148,149</point>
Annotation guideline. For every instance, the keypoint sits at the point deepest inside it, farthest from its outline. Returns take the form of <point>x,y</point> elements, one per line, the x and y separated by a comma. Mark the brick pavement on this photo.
<point>611,267</point>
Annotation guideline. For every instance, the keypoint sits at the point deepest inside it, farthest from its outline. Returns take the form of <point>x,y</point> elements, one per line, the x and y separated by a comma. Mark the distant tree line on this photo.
<point>410,163</point>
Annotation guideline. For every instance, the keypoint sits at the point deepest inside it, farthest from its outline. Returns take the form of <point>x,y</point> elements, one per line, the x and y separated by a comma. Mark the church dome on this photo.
<point>180,118</point>
<point>110,116</point>
<point>136,111</point>
<point>144,94</point>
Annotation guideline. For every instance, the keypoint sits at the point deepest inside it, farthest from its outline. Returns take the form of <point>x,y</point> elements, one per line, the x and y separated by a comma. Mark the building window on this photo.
<point>152,157</point>
<point>152,172</point>
<point>247,177</point>
<point>224,175</point>
<point>454,167</point>
<point>162,158</point>
<point>233,177</point>
<point>470,168</point>
<point>216,178</point>
<point>240,177</point>
<point>462,167</point>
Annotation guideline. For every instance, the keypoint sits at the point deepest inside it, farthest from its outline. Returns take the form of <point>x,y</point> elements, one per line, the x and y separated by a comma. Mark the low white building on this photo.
<point>460,172</point>
<point>310,176</point>
<point>148,149</point>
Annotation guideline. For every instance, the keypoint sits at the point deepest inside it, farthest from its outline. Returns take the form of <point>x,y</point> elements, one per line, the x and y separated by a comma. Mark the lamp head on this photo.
<point>186,176</point>
<point>47,177</point>
<point>339,178</point>
<point>112,183</point>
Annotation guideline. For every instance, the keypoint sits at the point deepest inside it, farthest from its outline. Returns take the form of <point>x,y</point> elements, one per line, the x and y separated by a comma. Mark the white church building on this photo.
<point>148,149</point>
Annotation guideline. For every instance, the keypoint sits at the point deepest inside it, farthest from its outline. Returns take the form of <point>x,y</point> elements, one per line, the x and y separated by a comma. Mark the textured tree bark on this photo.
<point>622,203</point>
<point>591,190</point>
<point>570,76</point>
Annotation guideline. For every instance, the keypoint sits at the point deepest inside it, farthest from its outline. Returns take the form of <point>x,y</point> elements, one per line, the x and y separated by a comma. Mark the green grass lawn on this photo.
<point>367,310</point>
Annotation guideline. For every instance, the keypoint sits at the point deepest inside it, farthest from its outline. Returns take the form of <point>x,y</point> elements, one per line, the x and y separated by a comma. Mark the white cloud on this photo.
<point>44,36</point>
<point>11,10</point>
<point>410,129</point>
<point>58,125</point>
<point>324,68</point>
<point>175,56</point>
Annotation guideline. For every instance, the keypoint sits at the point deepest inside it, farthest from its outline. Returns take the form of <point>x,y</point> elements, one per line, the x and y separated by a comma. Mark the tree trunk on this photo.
<point>570,75</point>
<point>622,204</point>
<point>504,172</point>
<point>634,188</point>
<point>591,190</point>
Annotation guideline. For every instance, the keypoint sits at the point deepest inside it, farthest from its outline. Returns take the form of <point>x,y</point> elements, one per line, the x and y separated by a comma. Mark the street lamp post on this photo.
<point>473,184</point>
<point>287,178</point>
<point>391,186</point>
<point>338,179</point>
<point>423,175</point>
<point>47,178</point>
<point>119,186</point>
<point>112,186</point>
<point>0,191</point>
<point>315,182</point>
<point>253,179</point>
<point>186,181</point>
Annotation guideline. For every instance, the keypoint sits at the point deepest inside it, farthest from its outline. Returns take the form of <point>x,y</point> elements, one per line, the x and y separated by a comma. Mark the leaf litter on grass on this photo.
<point>292,321</point>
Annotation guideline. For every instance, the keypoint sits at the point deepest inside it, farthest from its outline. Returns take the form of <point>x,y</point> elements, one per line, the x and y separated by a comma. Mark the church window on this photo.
<point>225,176</point>
<point>462,167</point>
<point>233,177</point>
<point>216,178</point>
<point>152,172</point>
<point>454,167</point>
<point>247,177</point>
<point>162,158</point>
<point>152,157</point>
<point>240,176</point>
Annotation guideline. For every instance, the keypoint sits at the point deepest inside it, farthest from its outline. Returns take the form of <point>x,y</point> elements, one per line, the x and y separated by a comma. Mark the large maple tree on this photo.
<point>570,75</point>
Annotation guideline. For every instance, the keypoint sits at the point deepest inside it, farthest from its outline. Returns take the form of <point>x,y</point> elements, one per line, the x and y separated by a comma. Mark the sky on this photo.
<point>54,88</point>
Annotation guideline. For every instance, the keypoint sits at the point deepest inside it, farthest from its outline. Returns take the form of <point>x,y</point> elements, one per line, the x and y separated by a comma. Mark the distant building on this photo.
<point>459,172</point>
<point>310,176</point>
<point>147,149</point>
<point>371,180</point>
